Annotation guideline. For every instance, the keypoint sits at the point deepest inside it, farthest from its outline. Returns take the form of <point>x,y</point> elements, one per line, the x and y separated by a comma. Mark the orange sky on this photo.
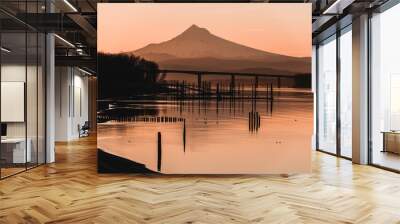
<point>277,28</point>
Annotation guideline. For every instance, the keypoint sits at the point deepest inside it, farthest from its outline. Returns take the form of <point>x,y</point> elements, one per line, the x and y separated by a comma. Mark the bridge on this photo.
<point>233,75</point>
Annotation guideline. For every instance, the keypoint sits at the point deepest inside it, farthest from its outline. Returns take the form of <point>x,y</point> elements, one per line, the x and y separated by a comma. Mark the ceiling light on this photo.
<point>5,50</point>
<point>84,71</point>
<point>80,51</point>
<point>70,5</point>
<point>337,7</point>
<point>64,40</point>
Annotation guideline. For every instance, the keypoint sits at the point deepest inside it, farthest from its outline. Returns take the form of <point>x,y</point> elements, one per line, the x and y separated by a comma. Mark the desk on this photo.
<point>391,141</point>
<point>13,150</point>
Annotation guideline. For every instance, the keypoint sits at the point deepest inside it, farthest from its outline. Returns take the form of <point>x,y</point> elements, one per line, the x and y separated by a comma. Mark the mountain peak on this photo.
<point>196,48</point>
<point>194,26</point>
<point>194,29</point>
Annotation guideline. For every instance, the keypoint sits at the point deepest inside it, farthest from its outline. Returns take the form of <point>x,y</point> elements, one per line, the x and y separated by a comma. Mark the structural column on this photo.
<point>360,90</point>
<point>50,98</point>
<point>50,91</point>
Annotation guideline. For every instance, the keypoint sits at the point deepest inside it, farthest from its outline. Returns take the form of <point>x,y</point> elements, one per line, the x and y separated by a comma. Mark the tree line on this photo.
<point>124,76</point>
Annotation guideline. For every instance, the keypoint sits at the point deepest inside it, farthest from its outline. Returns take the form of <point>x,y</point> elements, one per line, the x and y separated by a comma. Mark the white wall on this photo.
<point>71,102</point>
<point>10,73</point>
<point>62,82</point>
<point>17,73</point>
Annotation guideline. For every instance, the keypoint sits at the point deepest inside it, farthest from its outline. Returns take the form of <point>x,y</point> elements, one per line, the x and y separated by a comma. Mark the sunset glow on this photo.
<point>276,28</point>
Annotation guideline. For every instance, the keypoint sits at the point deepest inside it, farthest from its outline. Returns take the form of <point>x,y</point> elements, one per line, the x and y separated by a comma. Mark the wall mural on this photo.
<point>204,88</point>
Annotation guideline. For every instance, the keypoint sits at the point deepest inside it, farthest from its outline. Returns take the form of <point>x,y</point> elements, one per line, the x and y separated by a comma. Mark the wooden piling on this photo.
<point>184,135</point>
<point>249,121</point>
<point>159,155</point>
<point>272,92</point>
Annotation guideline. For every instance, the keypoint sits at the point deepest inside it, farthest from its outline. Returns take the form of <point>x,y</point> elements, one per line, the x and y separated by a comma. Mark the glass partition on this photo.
<point>385,89</point>
<point>346,92</point>
<point>327,95</point>
<point>14,153</point>
<point>23,90</point>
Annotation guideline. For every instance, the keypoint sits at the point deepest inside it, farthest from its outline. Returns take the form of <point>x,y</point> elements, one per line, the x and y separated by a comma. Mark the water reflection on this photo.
<point>211,136</point>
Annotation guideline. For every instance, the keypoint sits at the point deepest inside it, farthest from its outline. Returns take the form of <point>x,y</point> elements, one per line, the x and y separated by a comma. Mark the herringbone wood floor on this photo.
<point>71,191</point>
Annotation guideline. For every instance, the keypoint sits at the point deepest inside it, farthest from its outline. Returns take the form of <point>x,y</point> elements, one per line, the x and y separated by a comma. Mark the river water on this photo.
<point>215,137</point>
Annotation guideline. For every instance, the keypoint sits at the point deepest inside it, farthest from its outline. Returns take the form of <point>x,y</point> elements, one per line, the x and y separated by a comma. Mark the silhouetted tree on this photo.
<point>123,76</point>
